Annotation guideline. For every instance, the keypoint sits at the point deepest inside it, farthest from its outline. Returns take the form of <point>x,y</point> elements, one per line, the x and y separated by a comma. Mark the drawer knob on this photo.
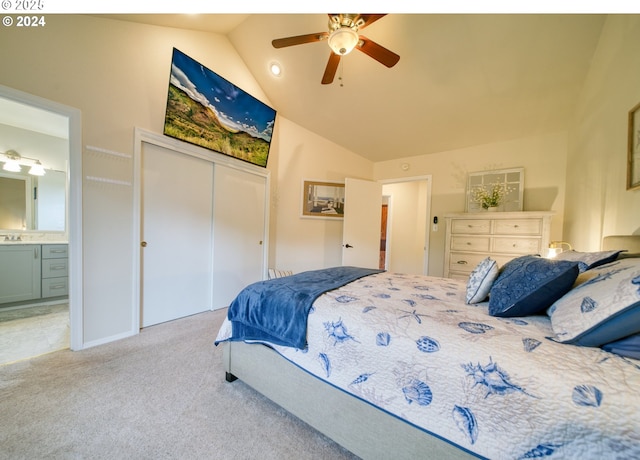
<point>462,262</point>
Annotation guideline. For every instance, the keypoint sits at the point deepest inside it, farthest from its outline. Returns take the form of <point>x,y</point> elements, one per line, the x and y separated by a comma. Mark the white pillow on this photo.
<point>602,309</point>
<point>481,279</point>
<point>275,273</point>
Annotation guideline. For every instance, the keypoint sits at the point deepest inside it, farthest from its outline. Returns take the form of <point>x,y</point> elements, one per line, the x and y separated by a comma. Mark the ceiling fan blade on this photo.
<point>378,52</point>
<point>299,39</point>
<point>332,67</point>
<point>369,19</point>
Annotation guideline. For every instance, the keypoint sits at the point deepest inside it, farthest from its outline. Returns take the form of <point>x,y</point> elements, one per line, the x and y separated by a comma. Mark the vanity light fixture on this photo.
<point>13,162</point>
<point>556,247</point>
<point>37,169</point>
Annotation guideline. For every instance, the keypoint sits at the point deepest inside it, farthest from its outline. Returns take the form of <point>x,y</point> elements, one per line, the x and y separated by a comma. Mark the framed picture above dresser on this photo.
<point>503,236</point>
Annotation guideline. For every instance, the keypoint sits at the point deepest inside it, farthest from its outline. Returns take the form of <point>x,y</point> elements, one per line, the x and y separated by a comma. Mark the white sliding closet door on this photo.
<point>176,252</point>
<point>239,234</point>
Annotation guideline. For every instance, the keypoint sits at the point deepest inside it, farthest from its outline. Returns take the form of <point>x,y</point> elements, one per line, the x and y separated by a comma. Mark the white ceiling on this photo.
<point>462,80</point>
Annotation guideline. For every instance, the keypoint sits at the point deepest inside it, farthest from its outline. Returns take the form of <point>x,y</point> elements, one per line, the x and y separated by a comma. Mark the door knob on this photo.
<point>348,246</point>
<point>143,244</point>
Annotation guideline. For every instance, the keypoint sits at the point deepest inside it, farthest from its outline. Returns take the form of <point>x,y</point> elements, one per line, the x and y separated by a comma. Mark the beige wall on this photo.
<point>543,159</point>
<point>117,74</point>
<point>598,203</point>
<point>298,243</point>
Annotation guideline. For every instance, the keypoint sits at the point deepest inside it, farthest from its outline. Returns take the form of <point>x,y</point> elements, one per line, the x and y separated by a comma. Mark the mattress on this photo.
<point>499,388</point>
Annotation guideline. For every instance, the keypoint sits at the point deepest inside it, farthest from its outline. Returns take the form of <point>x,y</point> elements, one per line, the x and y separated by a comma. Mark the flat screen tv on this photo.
<point>206,110</point>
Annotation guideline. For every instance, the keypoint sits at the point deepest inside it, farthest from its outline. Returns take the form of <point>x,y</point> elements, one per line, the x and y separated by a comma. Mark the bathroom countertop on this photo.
<point>15,243</point>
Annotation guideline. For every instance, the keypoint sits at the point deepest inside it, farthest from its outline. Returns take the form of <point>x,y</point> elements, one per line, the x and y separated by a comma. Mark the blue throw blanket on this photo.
<point>276,310</point>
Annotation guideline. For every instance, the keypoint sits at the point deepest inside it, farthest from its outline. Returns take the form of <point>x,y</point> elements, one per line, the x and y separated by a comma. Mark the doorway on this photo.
<point>24,117</point>
<point>383,233</point>
<point>404,235</point>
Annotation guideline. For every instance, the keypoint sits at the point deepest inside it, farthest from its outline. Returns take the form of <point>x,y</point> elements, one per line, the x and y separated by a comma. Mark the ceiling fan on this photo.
<point>342,38</point>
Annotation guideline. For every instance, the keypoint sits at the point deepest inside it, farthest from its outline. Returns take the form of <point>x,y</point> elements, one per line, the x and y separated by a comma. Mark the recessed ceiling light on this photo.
<point>275,69</point>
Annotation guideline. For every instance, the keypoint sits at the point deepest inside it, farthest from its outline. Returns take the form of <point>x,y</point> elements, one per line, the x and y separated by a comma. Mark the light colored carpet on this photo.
<point>158,395</point>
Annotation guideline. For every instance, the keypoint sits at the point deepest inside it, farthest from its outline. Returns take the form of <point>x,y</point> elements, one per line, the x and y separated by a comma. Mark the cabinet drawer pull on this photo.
<point>462,262</point>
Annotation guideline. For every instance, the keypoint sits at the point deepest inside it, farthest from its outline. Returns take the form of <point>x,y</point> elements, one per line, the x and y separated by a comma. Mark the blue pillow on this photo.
<point>588,260</point>
<point>602,309</point>
<point>480,280</point>
<point>628,347</point>
<point>528,285</point>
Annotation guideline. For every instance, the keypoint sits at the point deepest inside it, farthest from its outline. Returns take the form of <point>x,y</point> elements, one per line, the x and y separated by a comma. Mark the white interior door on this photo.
<point>239,232</point>
<point>176,259</point>
<point>362,217</point>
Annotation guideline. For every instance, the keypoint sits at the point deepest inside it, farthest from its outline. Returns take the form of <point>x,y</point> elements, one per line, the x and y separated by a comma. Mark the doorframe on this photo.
<point>429,181</point>
<point>73,203</point>
<point>144,136</point>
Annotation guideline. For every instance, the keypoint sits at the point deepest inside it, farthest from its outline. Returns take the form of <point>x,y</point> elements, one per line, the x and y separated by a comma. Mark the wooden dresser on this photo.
<point>502,236</point>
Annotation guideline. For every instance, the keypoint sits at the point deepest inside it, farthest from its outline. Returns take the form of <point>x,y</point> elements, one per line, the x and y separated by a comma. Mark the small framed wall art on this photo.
<point>322,199</point>
<point>633,158</point>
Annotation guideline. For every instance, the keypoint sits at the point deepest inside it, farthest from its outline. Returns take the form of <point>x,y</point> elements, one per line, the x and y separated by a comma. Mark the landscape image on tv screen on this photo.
<point>207,110</point>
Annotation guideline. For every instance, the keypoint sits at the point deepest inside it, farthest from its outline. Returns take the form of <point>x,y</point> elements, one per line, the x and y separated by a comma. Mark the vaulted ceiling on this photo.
<point>462,79</point>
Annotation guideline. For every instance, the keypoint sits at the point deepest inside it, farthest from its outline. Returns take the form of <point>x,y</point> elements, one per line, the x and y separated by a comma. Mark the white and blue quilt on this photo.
<point>496,387</point>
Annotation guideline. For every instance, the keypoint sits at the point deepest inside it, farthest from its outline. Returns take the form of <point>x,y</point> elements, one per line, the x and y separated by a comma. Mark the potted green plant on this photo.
<point>489,198</point>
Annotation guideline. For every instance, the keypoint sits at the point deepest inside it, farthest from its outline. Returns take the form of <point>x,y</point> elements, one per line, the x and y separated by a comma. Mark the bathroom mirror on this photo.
<point>29,202</point>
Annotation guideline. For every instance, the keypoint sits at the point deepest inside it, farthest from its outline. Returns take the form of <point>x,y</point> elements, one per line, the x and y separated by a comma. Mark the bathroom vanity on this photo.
<point>33,271</point>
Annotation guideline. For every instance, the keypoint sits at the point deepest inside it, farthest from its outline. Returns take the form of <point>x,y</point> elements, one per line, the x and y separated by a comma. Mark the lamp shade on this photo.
<point>37,169</point>
<point>343,40</point>
<point>12,166</point>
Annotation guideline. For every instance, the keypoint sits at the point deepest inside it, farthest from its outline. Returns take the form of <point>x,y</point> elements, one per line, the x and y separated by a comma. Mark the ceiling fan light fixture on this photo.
<point>343,40</point>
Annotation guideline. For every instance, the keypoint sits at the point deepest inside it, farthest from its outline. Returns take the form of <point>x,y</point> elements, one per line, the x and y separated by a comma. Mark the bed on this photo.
<point>406,366</point>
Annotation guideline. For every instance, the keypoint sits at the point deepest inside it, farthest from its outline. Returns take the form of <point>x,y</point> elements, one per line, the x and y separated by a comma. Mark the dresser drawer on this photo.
<point>470,243</point>
<point>462,276</point>
<point>464,262</point>
<point>516,245</point>
<point>54,287</point>
<point>518,227</point>
<point>471,226</point>
<point>55,251</point>
<point>53,268</point>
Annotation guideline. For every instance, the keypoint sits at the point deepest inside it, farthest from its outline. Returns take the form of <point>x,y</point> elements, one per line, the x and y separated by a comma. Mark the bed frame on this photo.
<point>358,426</point>
<point>355,424</point>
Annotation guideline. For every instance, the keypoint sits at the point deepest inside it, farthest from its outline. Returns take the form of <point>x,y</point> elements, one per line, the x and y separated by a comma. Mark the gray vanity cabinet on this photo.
<point>20,272</point>
<point>55,270</point>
